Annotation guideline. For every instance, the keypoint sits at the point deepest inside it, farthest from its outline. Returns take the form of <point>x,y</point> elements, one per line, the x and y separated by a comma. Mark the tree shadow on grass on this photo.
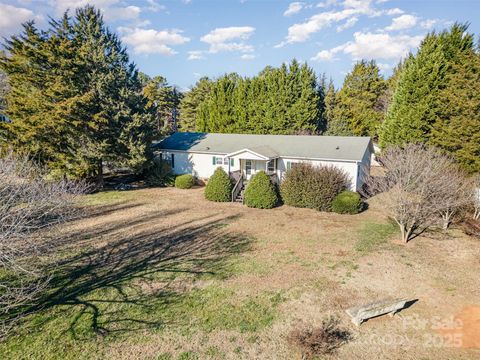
<point>128,280</point>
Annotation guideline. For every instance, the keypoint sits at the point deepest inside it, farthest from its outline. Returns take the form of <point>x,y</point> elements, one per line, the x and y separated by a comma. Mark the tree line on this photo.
<point>79,104</point>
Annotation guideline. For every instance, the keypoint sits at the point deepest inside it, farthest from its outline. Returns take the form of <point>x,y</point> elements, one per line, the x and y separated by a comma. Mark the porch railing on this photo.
<point>237,187</point>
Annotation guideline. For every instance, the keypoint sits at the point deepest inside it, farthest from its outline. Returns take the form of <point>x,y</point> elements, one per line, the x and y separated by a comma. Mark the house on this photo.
<point>200,154</point>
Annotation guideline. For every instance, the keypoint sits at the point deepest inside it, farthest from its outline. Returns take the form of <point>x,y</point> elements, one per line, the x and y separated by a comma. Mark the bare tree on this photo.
<point>28,203</point>
<point>476,197</point>
<point>419,184</point>
<point>454,191</point>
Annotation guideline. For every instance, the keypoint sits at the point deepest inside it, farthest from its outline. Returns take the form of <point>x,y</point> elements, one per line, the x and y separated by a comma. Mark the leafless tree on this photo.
<point>28,204</point>
<point>476,197</point>
<point>420,186</point>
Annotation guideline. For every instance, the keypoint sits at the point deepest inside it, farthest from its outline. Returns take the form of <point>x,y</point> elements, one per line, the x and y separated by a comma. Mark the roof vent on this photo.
<point>208,148</point>
<point>337,148</point>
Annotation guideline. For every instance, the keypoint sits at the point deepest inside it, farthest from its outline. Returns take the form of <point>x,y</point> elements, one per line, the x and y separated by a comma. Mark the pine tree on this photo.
<point>76,99</point>
<point>417,96</point>
<point>190,104</point>
<point>164,100</point>
<point>358,110</point>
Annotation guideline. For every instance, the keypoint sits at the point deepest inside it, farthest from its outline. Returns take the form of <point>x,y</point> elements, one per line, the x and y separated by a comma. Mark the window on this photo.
<point>225,161</point>
<point>219,161</point>
<point>271,166</point>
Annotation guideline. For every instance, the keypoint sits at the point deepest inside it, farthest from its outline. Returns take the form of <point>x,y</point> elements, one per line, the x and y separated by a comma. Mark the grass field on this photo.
<point>164,274</point>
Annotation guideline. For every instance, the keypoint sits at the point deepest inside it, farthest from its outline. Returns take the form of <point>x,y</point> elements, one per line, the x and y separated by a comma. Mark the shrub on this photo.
<point>319,341</point>
<point>185,181</point>
<point>219,187</point>
<point>160,173</point>
<point>260,192</point>
<point>313,187</point>
<point>347,202</point>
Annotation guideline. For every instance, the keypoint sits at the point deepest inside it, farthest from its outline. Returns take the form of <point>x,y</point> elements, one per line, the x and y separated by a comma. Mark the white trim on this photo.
<point>279,156</point>
<point>263,157</point>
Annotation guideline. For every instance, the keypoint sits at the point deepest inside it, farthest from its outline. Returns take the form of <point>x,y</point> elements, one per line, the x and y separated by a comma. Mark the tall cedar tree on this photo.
<point>456,129</point>
<point>285,100</point>
<point>163,99</point>
<point>358,103</point>
<point>190,104</point>
<point>75,98</point>
<point>419,92</point>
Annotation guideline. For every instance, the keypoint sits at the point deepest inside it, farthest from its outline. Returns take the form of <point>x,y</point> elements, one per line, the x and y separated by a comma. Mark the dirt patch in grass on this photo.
<point>164,274</point>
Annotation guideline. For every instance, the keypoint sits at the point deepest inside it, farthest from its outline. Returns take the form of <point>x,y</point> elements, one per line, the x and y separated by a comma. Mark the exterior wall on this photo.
<point>350,168</point>
<point>199,165</point>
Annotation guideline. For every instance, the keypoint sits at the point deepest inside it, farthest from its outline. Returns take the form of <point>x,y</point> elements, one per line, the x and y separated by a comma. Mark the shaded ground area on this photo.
<point>164,274</point>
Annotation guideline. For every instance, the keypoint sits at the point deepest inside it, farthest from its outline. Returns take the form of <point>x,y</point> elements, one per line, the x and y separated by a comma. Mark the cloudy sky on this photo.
<point>186,39</point>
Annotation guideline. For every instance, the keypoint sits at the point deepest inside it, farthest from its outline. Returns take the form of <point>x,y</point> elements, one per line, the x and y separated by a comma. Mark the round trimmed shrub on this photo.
<point>347,202</point>
<point>185,181</point>
<point>313,187</point>
<point>219,187</point>
<point>260,192</point>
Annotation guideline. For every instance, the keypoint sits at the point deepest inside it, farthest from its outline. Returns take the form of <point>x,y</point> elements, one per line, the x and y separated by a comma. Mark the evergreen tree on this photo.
<point>284,100</point>
<point>417,97</point>
<point>76,99</point>
<point>190,103</point>
<point>164,100</point>
<point>358,103</point>
<point>456,129</point>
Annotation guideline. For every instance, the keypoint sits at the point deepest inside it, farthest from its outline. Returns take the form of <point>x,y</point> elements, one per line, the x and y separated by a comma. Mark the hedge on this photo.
<point>347,202</point>
<point>313,187</point>
<point>219,187</point>
<point>185,181</point>
<point>260,192</point>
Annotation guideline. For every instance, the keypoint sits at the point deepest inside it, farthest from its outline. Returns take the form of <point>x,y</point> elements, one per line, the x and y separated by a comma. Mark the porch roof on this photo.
<point>265,152</point>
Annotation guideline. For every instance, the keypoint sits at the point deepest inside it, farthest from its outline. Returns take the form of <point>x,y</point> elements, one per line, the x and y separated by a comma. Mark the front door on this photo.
<point>248,169</point>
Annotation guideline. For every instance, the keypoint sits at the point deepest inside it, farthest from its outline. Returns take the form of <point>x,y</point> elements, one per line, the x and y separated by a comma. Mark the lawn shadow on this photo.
<point>104,283</point>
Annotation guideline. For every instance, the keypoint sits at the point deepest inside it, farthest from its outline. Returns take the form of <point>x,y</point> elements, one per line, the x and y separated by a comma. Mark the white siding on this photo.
<point>199,165</point>
<point>364,168</point>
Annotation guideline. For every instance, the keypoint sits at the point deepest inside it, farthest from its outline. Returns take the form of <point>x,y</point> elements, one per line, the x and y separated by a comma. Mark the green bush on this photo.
<point>185,181</point>
<point>159,173</point>
<point>260,192</point>
<point>347,202</point>
<point>219,187</point>
<point>313,187</point>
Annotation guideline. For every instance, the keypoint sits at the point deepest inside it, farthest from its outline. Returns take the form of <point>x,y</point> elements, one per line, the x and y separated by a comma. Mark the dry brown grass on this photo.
<point>309,258</point>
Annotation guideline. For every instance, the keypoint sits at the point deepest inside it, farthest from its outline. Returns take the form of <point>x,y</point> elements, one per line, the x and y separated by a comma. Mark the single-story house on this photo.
<point>200,154</point>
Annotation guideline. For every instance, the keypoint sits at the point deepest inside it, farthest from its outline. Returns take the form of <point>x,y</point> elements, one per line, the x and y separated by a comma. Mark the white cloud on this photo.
<point>394,11</point>
<point>150,41</point>
<point>428,23</point>
<point>12,17</point>
<point>326,3</point>
<point>384,67</point>
<point>229,39</point>
<point>195,55</point>
<point>247,57</point>
<point>402,22</point>
<point>154,6</point>
<point>373,46</point>
<point>122,13</point>
<point>112,9</point>
<point>348,24</point>
<point>293,8</point>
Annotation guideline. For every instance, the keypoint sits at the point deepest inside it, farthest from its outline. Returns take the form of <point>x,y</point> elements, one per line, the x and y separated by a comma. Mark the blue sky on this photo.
<point>185,39</point>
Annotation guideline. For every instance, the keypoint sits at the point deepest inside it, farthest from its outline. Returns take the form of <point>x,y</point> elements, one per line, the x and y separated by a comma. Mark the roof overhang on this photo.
<point>250,154</point>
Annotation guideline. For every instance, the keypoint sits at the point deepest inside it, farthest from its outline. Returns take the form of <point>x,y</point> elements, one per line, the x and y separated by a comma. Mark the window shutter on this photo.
<point>173,161</point>
<point>214,161</point>
<point>231,162</point>
<point>289,165</point>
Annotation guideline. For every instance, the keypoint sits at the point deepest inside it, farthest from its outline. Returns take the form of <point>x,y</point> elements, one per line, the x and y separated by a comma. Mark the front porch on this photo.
<point>251,162</point>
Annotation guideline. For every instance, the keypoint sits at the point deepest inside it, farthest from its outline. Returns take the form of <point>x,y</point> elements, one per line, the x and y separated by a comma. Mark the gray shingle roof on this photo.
<point>296,146</point>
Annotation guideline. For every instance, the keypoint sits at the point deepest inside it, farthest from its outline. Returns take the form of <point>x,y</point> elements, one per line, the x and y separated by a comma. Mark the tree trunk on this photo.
<point>99,175</point>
